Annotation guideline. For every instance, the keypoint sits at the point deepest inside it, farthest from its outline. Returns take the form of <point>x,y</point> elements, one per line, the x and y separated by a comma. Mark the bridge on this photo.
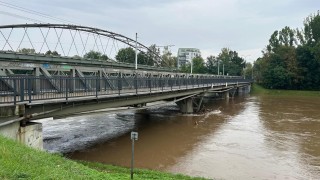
<point>36,84</point>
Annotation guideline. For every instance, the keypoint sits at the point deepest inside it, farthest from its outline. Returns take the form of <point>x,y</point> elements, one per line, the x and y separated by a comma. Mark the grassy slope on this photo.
<point>20,162</point>
<point>256,89</point>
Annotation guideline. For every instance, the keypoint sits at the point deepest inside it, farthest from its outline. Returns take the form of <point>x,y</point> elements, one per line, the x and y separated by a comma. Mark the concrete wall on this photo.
<point>30,135</point>
<point>11,130</point>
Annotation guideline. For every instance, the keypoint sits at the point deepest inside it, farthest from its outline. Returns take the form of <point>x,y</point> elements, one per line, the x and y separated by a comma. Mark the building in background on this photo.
<point>185,55</point>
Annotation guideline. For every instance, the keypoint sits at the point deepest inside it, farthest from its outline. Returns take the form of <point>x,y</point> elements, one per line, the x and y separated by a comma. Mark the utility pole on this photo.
<point>218,67</point>
<point>136,58</point>
<point>223,69</point>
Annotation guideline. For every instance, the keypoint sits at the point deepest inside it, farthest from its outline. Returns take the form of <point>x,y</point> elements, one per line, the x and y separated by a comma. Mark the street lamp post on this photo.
<point>218,67</point>
<point>136,57</point>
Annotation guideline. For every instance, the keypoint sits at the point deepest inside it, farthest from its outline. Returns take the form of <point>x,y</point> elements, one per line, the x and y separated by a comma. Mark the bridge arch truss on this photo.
<point>67,40</point>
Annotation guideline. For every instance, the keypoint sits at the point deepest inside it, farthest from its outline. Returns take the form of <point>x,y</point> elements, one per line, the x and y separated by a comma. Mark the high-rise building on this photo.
<point>186,55</point>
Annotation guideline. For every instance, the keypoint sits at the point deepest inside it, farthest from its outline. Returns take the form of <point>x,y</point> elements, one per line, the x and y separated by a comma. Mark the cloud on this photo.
<point>242,25</point>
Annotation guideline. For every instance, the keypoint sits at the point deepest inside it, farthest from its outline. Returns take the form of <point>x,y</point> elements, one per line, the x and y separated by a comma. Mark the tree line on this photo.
<point>291,60</point>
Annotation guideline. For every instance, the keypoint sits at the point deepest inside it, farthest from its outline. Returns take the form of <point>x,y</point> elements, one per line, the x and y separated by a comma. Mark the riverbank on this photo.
<point>259,90</point>
<point>20,162</point>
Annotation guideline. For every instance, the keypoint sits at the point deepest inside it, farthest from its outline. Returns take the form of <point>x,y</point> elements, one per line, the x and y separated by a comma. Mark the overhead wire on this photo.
<point>19,8</point>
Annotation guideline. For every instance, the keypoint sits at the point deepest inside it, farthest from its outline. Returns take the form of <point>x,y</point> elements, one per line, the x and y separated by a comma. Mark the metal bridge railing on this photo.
<point>30,89</point>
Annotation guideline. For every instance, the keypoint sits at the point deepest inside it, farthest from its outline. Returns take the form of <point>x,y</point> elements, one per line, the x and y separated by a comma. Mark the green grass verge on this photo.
<point>20,162</point>
<point>259,90</point>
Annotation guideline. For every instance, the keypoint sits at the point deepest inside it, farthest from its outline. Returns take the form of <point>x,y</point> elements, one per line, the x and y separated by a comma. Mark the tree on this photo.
<point>212,65</point>
<point>198,66</point>
<point>292,59</point>
<point>95,55</point>
<point>126,55</point>
<point>153,55</point>
<point>52,53</point>
<point>168,60</point>
<point>27,51</point>
<point>233,64</point>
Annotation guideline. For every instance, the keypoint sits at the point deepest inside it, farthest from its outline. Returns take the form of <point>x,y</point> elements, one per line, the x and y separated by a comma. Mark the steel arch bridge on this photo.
<point>67,40</point>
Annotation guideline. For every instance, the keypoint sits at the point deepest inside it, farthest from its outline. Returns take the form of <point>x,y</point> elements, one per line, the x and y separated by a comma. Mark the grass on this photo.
<point>259,90</point>
<point>20,162</point>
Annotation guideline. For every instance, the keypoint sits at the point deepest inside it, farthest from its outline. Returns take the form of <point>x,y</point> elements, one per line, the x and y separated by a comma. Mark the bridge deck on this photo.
<point>53,97</point>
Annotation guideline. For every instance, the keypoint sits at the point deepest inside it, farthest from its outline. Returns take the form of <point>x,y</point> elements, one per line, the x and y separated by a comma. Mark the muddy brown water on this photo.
<point>254,137</point>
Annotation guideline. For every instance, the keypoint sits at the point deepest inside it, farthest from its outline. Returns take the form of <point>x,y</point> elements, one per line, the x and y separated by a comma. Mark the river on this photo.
<point>253,137</point>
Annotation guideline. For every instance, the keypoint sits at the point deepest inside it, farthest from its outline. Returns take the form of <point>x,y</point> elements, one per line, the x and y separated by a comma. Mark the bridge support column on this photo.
<point>186,105</point>
<point>226,95</point>
<point>36,81</point>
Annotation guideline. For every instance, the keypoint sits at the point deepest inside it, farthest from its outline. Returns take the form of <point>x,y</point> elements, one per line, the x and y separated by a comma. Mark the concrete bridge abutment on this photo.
<point>28,133</point>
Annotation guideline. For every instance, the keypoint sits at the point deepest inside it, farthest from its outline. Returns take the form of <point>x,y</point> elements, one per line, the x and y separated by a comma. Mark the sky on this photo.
<point>209,25</point>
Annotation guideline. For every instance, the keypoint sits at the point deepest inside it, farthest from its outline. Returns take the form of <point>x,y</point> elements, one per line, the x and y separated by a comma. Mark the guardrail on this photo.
<point>29,88</point>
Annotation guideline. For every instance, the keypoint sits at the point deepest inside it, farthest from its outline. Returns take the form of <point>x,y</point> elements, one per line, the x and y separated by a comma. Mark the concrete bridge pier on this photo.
<point>186,105</point>
<point>28,133</point>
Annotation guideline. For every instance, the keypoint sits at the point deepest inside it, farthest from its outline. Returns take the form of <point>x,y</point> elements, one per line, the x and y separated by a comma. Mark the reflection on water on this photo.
<point>245,138</point>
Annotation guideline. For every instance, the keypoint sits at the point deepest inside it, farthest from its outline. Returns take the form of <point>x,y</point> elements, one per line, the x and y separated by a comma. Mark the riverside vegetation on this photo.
<point>18,161</point>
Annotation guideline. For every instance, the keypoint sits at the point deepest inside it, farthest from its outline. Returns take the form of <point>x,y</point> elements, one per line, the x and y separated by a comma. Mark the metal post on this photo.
<point>223,69</point>
<point>15,91</point>
<point>67,88</point>
<point>136,83</point>
<point>21,89</point>
<point>134,137</point>
<point>136,57</point>
<point>132,158</point>
<point>97,86</point>
<point>218,67</point>
<point>29,89</point>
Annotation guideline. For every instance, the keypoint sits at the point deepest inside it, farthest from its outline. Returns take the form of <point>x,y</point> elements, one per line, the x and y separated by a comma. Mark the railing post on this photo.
<point>171,82</point>
<point>29,89</point>
<point>97,86</point>
<point>22,89</point>
<point>136,83</point>
<point>149,82</point>
<point>67,87</point>
<point>161,83</point>
<point>186,79</point>
<point>119,83</point>
<point>14,91</point>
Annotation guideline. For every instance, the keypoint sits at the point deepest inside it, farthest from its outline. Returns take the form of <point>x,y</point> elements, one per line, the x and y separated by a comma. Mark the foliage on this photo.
<point>230,60</point>
<point>126,55</point>
<point>52,53</point>
<point>27,51</point>
<point>20,162</point>
<point>198,66</point>
<point>95,55</point>
<point>292,58</point>
<point>168,60</point>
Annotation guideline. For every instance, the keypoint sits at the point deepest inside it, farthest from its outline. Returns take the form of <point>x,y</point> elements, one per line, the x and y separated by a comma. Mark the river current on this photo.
<point>252,137</point>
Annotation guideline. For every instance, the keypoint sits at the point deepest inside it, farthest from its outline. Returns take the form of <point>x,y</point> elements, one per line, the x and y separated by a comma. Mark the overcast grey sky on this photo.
<point>241,25</point>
